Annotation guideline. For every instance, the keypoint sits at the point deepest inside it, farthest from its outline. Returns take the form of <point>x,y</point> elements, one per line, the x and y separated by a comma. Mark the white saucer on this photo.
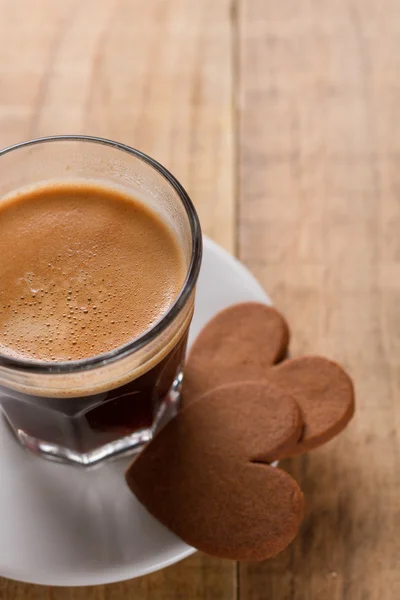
<point>60,525</point>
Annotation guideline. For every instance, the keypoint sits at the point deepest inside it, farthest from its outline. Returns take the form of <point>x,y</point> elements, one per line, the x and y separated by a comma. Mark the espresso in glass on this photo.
<point>97,289</point>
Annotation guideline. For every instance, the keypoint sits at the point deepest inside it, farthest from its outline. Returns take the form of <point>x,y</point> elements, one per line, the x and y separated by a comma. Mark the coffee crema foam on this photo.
<point>83,270</point>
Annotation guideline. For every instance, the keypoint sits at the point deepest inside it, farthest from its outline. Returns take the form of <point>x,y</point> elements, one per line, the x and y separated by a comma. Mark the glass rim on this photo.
<point>74,366</point>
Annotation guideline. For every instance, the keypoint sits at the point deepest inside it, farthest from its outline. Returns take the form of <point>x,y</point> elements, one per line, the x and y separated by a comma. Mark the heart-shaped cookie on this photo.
<point>243,343</point>
<point>240,343</point>
<point>205,475</point>
<point>325,395</point>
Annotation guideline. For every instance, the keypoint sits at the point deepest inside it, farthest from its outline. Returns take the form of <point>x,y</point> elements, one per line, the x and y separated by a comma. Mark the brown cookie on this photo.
<point>243,342</point>
<point>325,395</point>
<point>205,475</point>
<point>239,343</point>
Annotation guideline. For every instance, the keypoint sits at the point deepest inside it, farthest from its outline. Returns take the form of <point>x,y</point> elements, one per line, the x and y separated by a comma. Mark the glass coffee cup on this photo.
<point>85,411</point>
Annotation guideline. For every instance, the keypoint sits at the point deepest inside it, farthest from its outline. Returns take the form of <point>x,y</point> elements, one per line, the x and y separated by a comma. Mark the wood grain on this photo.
<point>319,226</point>
<point>158,76</point>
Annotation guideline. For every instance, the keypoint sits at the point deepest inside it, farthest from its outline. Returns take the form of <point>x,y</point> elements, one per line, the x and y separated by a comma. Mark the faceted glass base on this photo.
<point>124,446</point>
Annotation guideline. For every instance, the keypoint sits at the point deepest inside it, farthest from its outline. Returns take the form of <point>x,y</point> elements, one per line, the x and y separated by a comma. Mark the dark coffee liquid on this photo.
<point>85,269</point>
<point>86,423</point>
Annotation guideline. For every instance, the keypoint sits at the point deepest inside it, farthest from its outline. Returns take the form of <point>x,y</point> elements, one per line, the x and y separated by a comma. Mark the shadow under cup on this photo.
<point>86,411</point>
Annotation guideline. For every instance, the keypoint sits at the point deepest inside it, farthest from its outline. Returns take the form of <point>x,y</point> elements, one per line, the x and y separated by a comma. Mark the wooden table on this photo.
<point>282,119</point>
